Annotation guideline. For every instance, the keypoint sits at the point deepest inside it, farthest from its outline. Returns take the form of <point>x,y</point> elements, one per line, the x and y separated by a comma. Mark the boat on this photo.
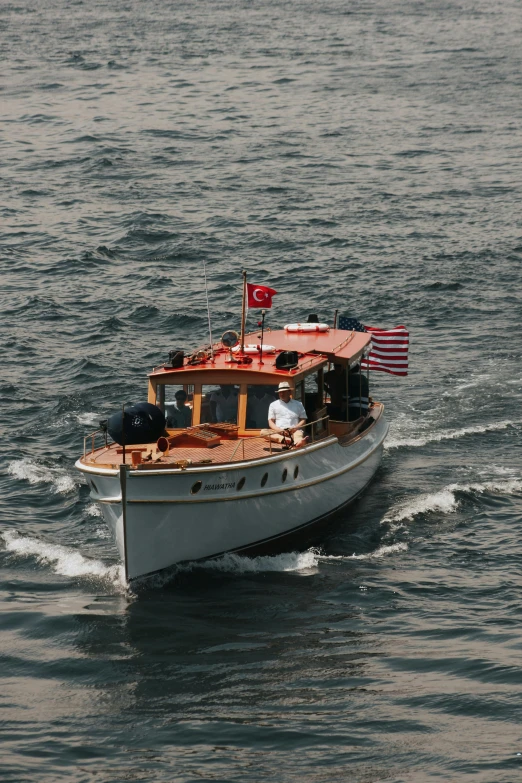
<point>220,484</point>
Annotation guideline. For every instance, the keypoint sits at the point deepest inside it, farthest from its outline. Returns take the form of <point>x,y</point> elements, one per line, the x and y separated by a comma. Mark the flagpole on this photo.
<point>243,314</point>
<point>208,313</point>
<point>263,313</point>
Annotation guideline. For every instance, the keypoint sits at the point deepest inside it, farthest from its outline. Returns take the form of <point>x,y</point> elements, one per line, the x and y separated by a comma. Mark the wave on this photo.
<point>288,562</point>
<point>63,560</point>
<point>88,419</point>
<point>236,564</point>
<point>446,501</point>
<point>436,437</point>
<point>376,554</point>
<point>35,473</point>
<point>239,564</point>
<point>382,551</point>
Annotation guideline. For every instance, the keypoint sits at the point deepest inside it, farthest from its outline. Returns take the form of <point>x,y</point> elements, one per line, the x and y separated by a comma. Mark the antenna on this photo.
<point>208,313</point>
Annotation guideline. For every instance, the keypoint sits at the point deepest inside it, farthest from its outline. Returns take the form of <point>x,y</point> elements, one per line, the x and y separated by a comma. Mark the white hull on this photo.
<point>160,523</point>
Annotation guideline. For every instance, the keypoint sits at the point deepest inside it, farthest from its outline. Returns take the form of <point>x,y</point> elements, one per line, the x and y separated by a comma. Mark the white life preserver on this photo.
<point>307,328</point>
<point>253,348</point>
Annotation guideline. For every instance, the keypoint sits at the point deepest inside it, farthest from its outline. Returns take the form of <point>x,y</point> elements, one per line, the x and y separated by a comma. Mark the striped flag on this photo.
<point>389,351</point>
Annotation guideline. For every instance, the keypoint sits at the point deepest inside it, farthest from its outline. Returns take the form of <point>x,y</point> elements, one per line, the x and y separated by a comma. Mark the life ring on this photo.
<point>307,328</point>
<point>253,348</point>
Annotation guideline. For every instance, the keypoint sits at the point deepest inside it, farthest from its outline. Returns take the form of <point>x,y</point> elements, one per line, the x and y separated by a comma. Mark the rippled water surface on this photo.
<point>358,156</point>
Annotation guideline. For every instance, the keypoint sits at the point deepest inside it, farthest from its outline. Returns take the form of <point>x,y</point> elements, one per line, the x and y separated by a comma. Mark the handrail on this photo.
<point>316,421</point>
<point>248,440</point>
<point>266,438</point>
<point>92,435</point>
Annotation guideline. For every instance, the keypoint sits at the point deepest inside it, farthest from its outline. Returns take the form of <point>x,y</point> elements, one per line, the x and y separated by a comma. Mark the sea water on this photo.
<point>357,156</point>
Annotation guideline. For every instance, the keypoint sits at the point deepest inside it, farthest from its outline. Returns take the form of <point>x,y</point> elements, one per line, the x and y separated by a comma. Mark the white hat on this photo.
<point>284,386</point>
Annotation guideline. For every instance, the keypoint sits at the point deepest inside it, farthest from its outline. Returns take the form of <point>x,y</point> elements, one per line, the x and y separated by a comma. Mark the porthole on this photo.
<point>95,488</point>
<point>264,479</point>
<point>241,483</point>
<point>196,487</point>
<point>285,474</point>
<point>296,471</point>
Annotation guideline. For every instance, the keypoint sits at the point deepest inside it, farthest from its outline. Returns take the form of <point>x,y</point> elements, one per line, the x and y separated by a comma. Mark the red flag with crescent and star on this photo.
<point>259,296</point>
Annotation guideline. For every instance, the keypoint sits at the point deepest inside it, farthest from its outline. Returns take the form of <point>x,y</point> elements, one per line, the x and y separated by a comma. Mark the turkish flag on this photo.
<point>259,295</point>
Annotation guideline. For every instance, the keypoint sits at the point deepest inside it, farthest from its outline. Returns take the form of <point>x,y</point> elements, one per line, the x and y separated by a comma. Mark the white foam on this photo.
<point>436,437</point>
<point>89,419</point>
<point>289,561</point>
<point>93,510</point>
<point>304,563</point>
<point>63,560</point>
<point>299,562</point>
<point>445,500</point>
<point>382,551</point>
<point>497,470</point>
<point>472,382</point>
<point>33,472</point>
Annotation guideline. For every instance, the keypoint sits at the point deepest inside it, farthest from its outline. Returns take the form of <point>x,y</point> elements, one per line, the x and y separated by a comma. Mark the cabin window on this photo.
<point>316,410</point>
<point>335,386</point>
<point>177,405</point>
<point>219,403</point>
<point>298,392</point>
<point>313,396</point>
<point>259,399</point>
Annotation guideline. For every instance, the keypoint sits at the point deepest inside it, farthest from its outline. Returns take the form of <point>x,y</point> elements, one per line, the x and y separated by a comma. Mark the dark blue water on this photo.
<point>358,156</point>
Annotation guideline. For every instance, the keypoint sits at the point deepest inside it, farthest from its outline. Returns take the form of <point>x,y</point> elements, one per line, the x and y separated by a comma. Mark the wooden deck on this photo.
<point>238,450</point>
<point>227,451</point>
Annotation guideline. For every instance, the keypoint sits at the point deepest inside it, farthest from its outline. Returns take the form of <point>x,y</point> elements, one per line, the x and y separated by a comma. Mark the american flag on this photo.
<point>389,351</point>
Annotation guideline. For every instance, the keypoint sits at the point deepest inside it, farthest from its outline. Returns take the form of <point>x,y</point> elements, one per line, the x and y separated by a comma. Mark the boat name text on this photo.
<point>220,486</point>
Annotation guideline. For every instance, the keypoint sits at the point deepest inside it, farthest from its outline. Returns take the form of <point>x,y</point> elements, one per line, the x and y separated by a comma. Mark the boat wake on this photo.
<point>383,551</point>
<point>302,563</point>
<point>395,442</point>
<point>446,500</point>
<point>35,473</point>
<point>63,560</point>
<point>68,562</point>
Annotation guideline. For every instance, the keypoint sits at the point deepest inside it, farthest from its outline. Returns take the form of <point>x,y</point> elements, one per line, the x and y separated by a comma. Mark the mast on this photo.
<point>208,314</point>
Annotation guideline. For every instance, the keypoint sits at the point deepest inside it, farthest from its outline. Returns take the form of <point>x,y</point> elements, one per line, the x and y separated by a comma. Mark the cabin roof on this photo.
<point>307,363</point>
<point>315,350</point>
<point>335,344</point>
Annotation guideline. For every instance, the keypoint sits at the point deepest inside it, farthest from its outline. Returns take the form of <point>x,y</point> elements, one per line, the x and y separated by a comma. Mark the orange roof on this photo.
<point>314,348</point>
<point>336,344</point>
<point>221,363</point>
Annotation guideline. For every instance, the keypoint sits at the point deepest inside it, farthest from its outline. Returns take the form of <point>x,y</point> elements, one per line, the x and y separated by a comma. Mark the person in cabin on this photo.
<point>358,394</point>
<point>179,415</point>
<point>223,404</point>
<point>258,403</point>
<point>335,384</point>
<point>286,417</point>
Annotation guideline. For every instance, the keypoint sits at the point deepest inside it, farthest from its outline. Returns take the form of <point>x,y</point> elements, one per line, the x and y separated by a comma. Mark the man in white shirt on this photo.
<point>286,417</point>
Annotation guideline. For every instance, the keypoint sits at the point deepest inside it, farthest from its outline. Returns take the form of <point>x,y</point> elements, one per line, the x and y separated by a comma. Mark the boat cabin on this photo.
<point>223,386</point>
